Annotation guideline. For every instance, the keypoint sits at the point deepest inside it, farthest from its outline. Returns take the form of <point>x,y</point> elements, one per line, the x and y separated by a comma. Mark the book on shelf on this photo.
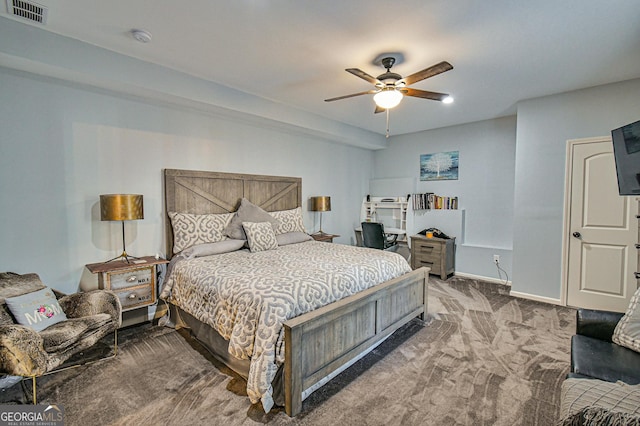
<point>431,201</point>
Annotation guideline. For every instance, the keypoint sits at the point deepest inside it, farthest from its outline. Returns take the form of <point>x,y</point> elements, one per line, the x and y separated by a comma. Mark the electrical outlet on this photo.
<point>496,258</point>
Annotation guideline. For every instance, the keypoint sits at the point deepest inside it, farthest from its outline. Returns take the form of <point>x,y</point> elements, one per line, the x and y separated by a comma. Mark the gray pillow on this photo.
<point>209,249</point>
<point>247,212</point>
<point>292,238</point>
<point>37,310</point>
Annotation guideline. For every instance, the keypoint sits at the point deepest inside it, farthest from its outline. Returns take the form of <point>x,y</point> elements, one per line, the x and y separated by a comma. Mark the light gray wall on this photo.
<point>484,188</point>
<point>62,145</point>
<point>544,126</point>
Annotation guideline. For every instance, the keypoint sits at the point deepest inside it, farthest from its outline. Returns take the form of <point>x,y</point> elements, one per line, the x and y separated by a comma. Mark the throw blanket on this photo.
<point>246,297</point>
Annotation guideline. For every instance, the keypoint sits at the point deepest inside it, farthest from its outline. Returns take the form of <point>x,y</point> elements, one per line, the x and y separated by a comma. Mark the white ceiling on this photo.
<point>295,52</point>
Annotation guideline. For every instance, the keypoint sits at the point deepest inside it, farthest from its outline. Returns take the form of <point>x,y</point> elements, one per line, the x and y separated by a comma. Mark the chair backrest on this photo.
<point>373,235</point>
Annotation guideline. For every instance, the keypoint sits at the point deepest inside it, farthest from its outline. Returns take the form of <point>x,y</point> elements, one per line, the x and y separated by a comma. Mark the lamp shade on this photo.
<point>321,204</point>
<point>121,207</point>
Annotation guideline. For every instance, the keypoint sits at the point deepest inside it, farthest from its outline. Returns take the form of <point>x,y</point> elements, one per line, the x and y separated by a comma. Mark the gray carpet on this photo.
<point>484,358</point>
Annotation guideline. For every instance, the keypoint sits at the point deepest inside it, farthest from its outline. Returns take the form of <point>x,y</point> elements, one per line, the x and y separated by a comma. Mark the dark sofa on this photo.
<point>595,356</point>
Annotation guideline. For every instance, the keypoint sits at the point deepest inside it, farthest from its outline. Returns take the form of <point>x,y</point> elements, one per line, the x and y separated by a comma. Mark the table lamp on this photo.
<point>121,207</point>
<point>321,204</point>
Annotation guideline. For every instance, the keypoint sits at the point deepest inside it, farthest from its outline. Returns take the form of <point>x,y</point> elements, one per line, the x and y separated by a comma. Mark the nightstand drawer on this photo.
<point>133,297</point>
<point>428,249</point>
<point>429,262</point>
<point>130,278</point>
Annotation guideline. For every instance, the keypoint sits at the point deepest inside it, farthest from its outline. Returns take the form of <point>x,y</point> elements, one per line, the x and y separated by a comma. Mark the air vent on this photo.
<point>30,11</point>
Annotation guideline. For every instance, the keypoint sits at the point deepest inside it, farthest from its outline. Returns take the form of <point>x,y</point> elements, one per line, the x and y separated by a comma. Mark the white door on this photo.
<point>602,228</point>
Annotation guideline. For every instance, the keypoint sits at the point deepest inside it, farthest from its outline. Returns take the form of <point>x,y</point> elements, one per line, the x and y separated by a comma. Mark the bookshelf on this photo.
<point>431,201</point>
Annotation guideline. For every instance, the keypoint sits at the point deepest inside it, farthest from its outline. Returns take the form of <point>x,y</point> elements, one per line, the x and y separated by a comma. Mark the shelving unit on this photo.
<point>391,211</point>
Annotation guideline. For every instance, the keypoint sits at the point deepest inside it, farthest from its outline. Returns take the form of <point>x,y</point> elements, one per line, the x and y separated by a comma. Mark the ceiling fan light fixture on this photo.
<point>447,100</point>
<point>387,98</point>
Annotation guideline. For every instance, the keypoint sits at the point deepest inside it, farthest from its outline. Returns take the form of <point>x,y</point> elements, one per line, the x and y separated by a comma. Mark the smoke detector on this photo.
<point>141,35</point>
<point>28,10</point>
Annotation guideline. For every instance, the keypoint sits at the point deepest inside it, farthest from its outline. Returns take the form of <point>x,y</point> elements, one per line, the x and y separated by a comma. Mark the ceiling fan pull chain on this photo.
<point>387,124</point>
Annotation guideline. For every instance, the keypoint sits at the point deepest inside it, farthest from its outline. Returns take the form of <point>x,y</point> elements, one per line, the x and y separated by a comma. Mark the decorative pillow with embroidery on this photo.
<point>290,221</point>
<point>37,310</point>
<point>247,212</point>
<point>191,229</point>
<point>260,236</point>
<point>627,332</point>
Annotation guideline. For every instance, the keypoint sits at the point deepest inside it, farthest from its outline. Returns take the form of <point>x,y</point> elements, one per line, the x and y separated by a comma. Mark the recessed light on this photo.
<point>141,35</point>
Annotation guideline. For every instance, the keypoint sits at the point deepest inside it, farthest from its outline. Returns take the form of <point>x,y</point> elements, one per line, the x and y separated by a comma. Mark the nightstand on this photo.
<point>436,253</point>
<point>327,238</point>
<point>134,283</point>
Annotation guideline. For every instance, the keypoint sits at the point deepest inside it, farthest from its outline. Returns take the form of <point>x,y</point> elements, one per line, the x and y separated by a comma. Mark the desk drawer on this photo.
<point>130,278</point>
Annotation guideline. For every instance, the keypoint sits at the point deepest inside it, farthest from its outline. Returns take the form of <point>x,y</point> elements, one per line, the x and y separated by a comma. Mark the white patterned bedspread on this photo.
<point>246,297</point>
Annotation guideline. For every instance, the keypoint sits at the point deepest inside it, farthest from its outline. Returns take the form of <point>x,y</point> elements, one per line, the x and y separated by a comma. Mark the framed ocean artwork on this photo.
<point>439,166</point>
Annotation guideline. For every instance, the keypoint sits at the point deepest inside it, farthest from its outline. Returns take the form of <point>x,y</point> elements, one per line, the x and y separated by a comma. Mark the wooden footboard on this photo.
<point>320,342</point>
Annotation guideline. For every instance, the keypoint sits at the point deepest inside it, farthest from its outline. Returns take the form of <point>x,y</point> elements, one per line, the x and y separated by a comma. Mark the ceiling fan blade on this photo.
<point>368,92</point>
<point>363,75</point>
<point>426,73</point>
<point>424,94</point>
<point>378,109</point>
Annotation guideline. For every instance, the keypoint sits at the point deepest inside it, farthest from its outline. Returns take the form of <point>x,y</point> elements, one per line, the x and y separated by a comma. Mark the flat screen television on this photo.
<point>626,151</point>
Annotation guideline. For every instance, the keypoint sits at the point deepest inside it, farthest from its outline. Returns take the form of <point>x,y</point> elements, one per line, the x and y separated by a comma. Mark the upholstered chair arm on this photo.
<point>21,351</point>
<point>597,324</point>
<point>94,302</point>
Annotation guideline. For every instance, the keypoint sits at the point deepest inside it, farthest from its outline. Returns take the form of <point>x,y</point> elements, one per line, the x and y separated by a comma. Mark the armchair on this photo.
<point>594,355</point>
<point>30,353</point>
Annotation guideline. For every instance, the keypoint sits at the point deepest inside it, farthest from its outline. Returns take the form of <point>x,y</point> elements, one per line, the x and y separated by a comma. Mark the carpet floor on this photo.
<point>481,358</point>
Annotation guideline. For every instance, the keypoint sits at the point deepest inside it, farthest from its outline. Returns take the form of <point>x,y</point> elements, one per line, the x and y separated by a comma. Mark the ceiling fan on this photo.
<point>391,87</point>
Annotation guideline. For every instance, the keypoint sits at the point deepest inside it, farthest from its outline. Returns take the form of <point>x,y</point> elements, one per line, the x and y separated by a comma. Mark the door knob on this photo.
<point>577,234</point>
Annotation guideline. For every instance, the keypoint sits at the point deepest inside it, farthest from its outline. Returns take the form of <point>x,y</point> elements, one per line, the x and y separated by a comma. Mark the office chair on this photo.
<point>373,236</point>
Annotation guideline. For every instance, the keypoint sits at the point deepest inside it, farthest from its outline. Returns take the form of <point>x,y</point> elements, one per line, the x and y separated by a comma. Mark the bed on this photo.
<point>327,329</point>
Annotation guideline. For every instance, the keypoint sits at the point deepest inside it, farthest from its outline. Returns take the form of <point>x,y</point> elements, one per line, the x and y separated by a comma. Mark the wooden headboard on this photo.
<point>197,192</point>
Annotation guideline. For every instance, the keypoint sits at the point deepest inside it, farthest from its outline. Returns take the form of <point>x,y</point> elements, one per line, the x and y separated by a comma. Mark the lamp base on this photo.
<point>124,257</point>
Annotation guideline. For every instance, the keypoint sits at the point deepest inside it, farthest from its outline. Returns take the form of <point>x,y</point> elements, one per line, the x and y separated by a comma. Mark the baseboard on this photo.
<point>521,295</point>
<point>481,278</point>
<point>549,300</point>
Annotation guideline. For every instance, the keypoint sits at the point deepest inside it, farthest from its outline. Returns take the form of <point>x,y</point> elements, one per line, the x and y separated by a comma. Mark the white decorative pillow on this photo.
<point>290,221</point>
<point>260,236</point>
<point>190,229</point>
<point>38,310</point>
<point>627,332</point>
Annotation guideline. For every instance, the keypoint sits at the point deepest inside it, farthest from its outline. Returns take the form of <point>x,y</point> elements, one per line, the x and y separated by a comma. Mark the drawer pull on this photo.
<point>132,279</point>
<point>424,262</point>
<point>132,296</point>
